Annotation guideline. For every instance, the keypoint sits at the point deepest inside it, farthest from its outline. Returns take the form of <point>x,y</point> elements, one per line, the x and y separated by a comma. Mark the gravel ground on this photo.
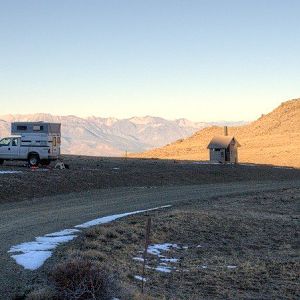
<point>87,173</point>
<point>34,203</point>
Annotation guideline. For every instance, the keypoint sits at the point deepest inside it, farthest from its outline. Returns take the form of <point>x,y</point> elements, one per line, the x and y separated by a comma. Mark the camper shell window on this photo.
<point>38,128</point>
<point>22,127</point>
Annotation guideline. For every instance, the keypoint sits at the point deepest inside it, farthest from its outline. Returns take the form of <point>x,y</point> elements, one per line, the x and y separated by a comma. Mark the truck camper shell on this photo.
<point>18,128</point>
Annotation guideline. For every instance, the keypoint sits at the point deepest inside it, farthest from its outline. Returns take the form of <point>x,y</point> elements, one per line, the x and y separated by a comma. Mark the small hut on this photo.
<point>224,149</point>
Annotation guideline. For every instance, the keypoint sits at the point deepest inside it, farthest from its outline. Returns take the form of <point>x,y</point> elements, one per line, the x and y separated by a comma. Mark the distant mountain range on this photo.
<point>112,137</point>
<point>272,139</point>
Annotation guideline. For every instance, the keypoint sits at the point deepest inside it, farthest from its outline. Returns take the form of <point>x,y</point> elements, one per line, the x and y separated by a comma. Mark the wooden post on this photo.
<point>147,241</point>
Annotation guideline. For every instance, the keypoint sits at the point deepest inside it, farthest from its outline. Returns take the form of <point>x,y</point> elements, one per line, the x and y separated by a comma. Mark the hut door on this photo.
<point>227,154</point>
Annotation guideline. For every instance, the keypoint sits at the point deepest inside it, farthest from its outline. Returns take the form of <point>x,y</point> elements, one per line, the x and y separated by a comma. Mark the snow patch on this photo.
<point>156,249</point>
<point>137,277</point>
<point>32,260</point>
<point>171,260</point>
<point>63,232</point>
<point>231,267</point>
<point>164,269</point>
<point>32,255</point>
<point>138,259</point>
<point>108,219</point>
<point>10,172</point>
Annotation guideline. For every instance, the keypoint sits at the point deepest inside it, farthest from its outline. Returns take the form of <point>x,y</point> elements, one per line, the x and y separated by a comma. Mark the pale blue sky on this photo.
<point>203,60</point>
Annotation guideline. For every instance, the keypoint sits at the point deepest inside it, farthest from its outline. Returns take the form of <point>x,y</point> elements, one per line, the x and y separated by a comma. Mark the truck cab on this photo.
<point>9,147</point>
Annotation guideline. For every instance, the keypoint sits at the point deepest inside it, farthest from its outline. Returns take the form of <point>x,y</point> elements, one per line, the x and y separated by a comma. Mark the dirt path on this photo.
<point>23,221</point>
<point>85,174</point>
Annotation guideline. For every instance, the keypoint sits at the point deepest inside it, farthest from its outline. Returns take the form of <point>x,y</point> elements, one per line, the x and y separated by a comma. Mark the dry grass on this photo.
<point>46,293</point>
<point>255,233</point>
<point>76,278</point>
<point>79,278</point>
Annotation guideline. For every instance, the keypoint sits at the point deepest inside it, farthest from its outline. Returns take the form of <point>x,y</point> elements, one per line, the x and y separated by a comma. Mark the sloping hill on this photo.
<point>272,139</point>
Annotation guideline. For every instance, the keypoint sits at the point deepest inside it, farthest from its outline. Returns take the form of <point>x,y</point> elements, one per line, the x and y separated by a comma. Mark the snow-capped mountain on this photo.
<point>110,136</point>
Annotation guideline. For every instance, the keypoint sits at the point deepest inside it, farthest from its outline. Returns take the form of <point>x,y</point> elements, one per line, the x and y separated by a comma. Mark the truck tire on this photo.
<point>33,160</point>
<point>1,161</point>
<point>45,162</point>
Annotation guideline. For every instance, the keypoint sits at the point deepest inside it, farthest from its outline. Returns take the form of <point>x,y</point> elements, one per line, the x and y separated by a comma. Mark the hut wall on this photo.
<point>233,153</point>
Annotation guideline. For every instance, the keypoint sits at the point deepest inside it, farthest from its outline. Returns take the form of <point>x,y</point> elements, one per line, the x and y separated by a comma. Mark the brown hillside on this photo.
<point>272,139</point>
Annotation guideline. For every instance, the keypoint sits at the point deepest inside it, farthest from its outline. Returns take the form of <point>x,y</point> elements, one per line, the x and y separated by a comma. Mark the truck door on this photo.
<point>15,147</point>
<point>5,148</point>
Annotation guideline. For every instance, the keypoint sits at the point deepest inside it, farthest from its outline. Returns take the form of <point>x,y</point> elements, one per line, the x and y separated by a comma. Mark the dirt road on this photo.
<point>23,221</point>
<point>88,173</point>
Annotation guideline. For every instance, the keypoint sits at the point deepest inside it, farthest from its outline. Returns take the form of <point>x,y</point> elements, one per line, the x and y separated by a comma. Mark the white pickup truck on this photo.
<point>35,142</point>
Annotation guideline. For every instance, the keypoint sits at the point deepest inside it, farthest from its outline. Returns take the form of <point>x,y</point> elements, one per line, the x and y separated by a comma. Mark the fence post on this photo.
<point>147,241</point>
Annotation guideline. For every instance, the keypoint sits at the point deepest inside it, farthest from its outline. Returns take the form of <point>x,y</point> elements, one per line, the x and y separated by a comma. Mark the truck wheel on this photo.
<point>33,160</point>
<point>45,162</point>
<point>1,161</point>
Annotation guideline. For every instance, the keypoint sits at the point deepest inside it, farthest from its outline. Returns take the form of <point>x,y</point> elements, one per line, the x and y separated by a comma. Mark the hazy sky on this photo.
<point>202,59</point>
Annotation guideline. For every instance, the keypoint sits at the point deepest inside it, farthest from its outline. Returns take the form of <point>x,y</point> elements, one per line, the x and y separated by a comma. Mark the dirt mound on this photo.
<point>272,139</point>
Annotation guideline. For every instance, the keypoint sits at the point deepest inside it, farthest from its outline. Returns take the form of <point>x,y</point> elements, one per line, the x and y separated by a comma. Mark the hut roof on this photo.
<point>221,142</point>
